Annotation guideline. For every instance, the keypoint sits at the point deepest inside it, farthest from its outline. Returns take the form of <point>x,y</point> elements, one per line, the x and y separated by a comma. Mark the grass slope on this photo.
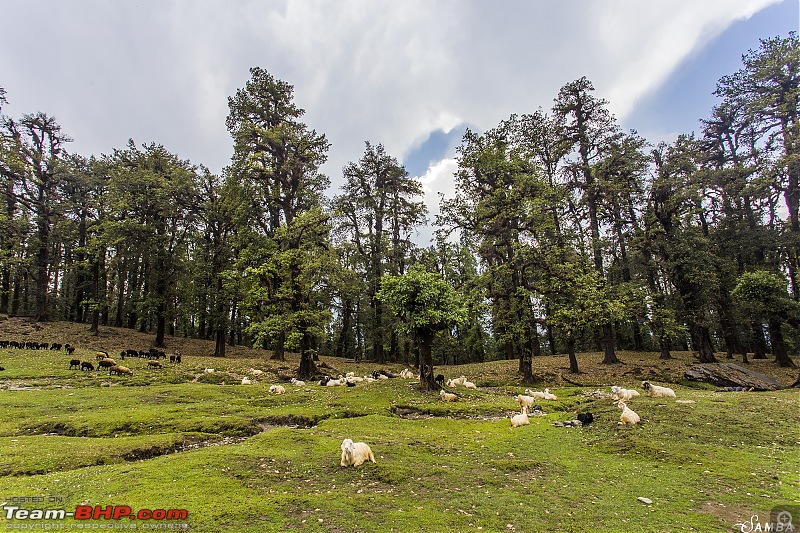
<point>240,459</point>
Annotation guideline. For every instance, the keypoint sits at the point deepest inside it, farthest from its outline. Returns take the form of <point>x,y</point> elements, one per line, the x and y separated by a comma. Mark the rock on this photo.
<point>642,499</point>
<point>731,375</point>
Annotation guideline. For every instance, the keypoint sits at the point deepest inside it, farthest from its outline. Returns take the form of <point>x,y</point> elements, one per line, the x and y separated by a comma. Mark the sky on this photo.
<point>410,74</point>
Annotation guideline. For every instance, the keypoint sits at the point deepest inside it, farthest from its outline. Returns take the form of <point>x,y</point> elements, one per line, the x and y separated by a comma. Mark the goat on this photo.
<point>355,453</point>
<point>585,418</point>
<point>277,389</point>
<point>456,381</point>
<point>75,362</point>
<point>447,397</point>
<point>627,416</point>
<point>55,346</point>
<point>520,419</point>
<point>657,392</point>
<point>69,349</point>
<point>440,379</point>
<point>539,395</point>
<point>525,402</point>
<point>297,383</point>
<point>619,393</point>
<point>86,365</point>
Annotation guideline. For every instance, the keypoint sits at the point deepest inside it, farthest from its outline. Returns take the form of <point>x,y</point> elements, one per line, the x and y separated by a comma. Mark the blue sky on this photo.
<point>409,74</point>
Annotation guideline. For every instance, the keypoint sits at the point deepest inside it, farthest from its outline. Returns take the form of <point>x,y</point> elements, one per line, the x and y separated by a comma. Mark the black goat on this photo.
<point>75,362</point>
<point>69,349</point>
<point>87,366</point>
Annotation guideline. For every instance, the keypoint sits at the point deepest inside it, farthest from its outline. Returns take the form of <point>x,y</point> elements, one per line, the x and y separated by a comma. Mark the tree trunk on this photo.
<point>307,367</point>
<point>573,360</point>
<point>759,342</point>
<point>278,350</point>
<point>778,345</point>
<point>701,339</point>
<point>424,341</point>
<point>609,355</point>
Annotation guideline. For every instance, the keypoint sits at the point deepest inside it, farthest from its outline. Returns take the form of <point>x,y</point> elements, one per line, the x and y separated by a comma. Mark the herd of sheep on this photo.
<point>356,453</point>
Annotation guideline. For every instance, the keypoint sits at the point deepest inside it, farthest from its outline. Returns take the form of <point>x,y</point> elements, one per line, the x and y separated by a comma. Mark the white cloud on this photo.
<point>389,72</point>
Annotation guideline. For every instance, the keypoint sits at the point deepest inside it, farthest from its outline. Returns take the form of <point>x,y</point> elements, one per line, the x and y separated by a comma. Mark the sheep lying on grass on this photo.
<point>256,372</point>
<point>657,392</point>
<point>277,389</point>
<point>456,381</point>
<point>627,416</point>
<point>246,381</point>
<point>407,374</point>
<point>355,453</point>
<point>539,395</point>
<point>297,383</point>
<point>520,419</point>
<point>447,396</point>
<point>619,393</point>
<point>470,385</point>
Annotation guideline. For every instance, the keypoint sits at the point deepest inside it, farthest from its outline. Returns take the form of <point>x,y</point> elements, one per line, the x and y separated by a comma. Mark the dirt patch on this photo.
<point>728,515</point>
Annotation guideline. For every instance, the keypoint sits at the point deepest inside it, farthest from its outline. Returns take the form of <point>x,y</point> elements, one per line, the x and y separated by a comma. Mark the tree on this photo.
<point>591,129</point>
<point>35,174</point>
<point>377,208</point>
<point>426,304</point>
<point>765,296</point>
<point>276,159</point>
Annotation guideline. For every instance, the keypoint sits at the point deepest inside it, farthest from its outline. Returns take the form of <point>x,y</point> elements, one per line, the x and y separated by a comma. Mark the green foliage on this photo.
<point>423,300</point>
<point>765,295</point>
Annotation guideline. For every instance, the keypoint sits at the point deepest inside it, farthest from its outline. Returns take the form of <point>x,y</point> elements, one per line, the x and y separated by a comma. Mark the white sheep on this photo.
<point>620,393</point>
<point>470,385</point>
<point>350,374</point>
<point>657,392</point>
<point>297,383</point>
<point>627,416</point>
<point>355,453</point>
<point>369,379</point>
<point>447,397</point>
<point>407,374</point>
<point>246,381</point>
<point>539,395</point>
<point>277,389</point>
<point>456,381</point>
<point>256,372</point>
<point>208,371</point>
<point>520,419</point>
<point>525,402</point>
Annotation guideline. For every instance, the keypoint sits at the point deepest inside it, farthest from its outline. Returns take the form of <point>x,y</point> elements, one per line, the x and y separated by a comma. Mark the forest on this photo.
<point>565,233</point>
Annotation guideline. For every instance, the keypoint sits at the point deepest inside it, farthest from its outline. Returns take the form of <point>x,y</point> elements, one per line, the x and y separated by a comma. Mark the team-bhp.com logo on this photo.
<point>87,512</point>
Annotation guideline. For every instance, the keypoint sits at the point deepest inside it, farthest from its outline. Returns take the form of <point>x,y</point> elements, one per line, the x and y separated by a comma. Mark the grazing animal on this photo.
<point>171,358</point>
<point>586,418</point>
<point>86,365</point>
<point>657,392</point>
<point>447,396</point>
<point>297,383</point>
<point>75,362</point>
<point>2,368</point>
<point>69,349</point>
<point>440,379</point>
<point>355,453</point>
<point>277,389</point>
<point>619,393</point>
<point>525,402</point>
<point>154,364</point>
<point>55,346</point>
<point>106,363</point>
<point>118,369</point>
<point>99,355</point>
<point>627,416</point>
<point>178,358</point>
<point>520,419</point>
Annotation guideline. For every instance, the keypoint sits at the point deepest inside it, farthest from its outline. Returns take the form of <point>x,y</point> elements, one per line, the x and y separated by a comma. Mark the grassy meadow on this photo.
<point>237,458</point>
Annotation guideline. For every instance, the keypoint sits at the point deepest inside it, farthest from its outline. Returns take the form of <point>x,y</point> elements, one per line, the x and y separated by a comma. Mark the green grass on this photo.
<point>240,459</point>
